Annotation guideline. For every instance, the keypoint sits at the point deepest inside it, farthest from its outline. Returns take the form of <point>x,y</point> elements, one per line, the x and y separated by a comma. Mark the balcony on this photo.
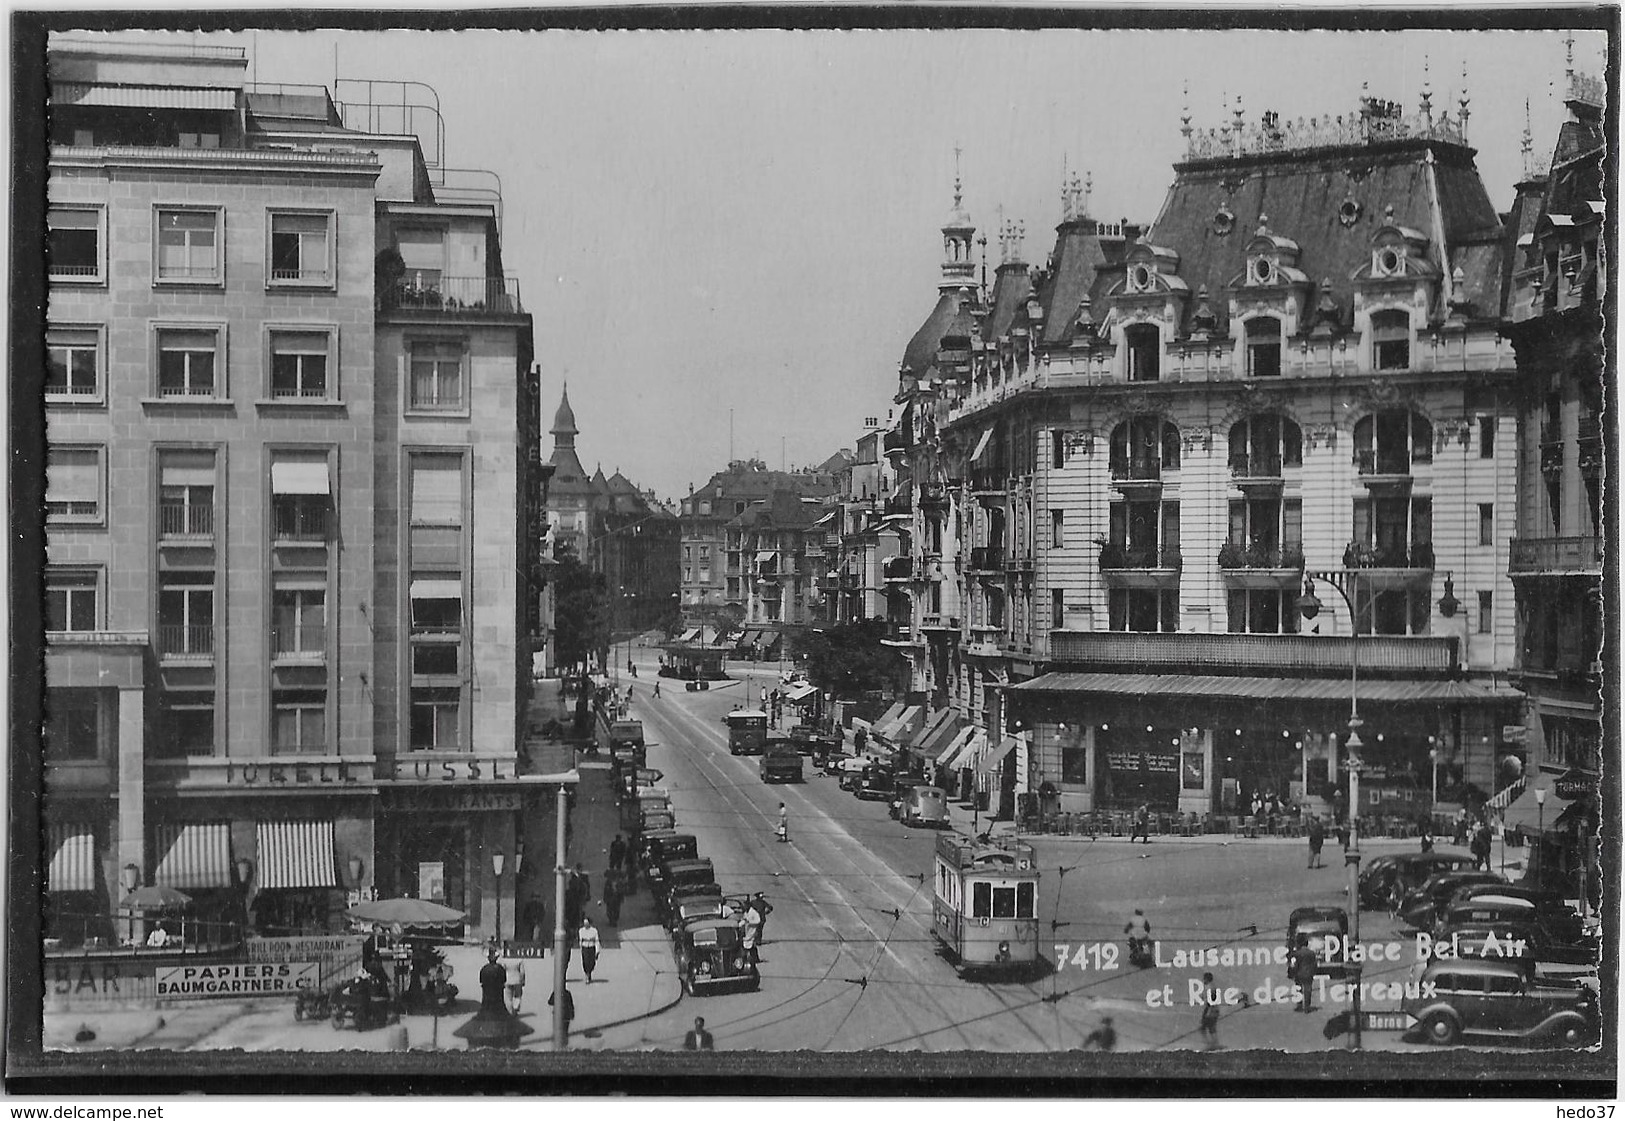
<point>298,644</point>
<point>1141,472</point>
<point>1019,562</point>
<point>300,523</point>
<point>1253,653</point>
<point>1557,556</point>
<point>900,634</point>
<point>933,498</point>
<point>180,641</point>
<point>935,621</point>
<point>987,558</point>
<point>894,443</point>
<point>457,296</point>
<point>1590,440</point>
<point>1384,471</point>
<point>1256,472</point>
<point>987,482</point>
<point>1359,554</point>
<point>1114,556</point>
<point>177,519</point>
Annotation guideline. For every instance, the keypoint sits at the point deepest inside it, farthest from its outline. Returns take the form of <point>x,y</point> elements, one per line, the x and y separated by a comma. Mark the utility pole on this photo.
<point>560,945</point>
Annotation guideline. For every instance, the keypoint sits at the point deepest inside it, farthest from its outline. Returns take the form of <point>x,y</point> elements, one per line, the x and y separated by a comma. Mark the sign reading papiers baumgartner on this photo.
<point>282,978</point>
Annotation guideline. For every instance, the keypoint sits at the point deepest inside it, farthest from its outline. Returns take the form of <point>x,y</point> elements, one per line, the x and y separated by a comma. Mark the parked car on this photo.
<point>1508,940</point>
<point>698,907</point>
<point>710,955</point>
<point>1421,908</point>
<point>921,805</point>
<point>639,778</point>
<point>780,763</point>
<point>678,874</point>
<point>1559,923</point>
<point>680,895</point>
<point>1490,909</point>
<point>852,769</point>
<point>1484,997</point>
<point>1316,925</point>
<point>658,850</point>
<point>1386,881</point>
<point>876,784</point>
<point>657,819</point>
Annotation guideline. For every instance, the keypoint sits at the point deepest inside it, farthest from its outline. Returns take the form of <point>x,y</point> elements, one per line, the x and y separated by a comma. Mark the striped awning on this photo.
<point>898,727</point>
<point>296,854</point>
<point>993,759</point>
<point>194,856</point>
<point>73,858</point>
<point>965,757</point>
<point>142,97</point>
<point>955,745</point>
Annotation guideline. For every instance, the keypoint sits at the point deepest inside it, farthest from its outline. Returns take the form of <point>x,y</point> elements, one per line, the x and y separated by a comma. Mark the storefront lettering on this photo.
<point>82,977</point>
<point>460,800</point>
<point>283,774</point>
<point>452,770</point>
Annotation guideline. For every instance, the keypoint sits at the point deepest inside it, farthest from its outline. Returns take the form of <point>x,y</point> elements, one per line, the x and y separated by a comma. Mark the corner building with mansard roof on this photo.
<point>1155,443</point>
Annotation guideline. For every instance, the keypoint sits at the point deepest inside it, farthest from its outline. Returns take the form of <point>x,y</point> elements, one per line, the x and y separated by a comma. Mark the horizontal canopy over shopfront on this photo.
<point>928,730</point>
<point>1265,688</point>
<point>891,730</point>
<point>73,859</point>
<point>981,445</point>
<point>888,716</point>
<point>296,854</point>
<point>194,856</point>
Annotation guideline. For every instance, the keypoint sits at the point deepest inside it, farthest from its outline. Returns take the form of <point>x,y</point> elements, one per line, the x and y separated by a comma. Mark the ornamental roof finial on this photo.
<point>1568,55</point>
<point>1465,99</point>
<point>1427,95</point>
<point>1527,146</point>
<point>1088,190</point>
<point>1185,118</point>
<point>958,193</point>
<point>1066,192</point>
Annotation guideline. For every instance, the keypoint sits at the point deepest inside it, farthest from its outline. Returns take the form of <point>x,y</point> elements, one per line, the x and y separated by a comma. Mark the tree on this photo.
<point>847,661</point>
<point>580,620</point>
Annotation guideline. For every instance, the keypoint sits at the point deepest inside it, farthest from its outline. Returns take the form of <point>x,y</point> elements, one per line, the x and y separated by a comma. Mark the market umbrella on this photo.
<point>154,897</point>
<point>406,912</point>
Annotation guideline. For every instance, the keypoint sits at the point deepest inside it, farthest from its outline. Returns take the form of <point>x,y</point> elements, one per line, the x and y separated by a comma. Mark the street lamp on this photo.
<point>1540,835</point>
<point>497,861</point>
<point>1309,605</point>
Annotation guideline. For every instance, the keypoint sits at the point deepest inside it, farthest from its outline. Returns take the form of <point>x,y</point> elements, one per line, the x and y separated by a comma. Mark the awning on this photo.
<point>1526,814</point>
<point>766,555</point>
<point>1265,688</point>
<point>437,589</point>
<point>955,745</point>
<point>981,445</point>
<point>142,97</point>
<point>689,636</point>
<point>941,736</point>
<point>966,755</point>
<point>296,854</point>
<point>193,856</point>
<point>994,758</point>
<point>928,728</point>
<point>896,727</point>
<point>798,693</point>
<point>887,717</point>
<point>73,859</point>
<point>294,477</point>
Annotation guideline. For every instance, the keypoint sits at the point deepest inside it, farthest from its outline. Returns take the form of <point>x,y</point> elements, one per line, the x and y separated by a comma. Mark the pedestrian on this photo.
<point>751,933</point>
<point>1210,1012</point>
<point>516,984</point>
<point>569,1007</point>
<point>1343,834</point>
<point>657,690</point>
<point>612,897</point>
<point>763,909</point>
<point>1317,838</point>
<point>1142,824</point>
<point>587,939</point>
<point>698,1039</point>
<point>1481,847</point>
<point>1104,1036</point>
<point>1300,966</point>
<point>784,823</point>
<point>533,918</point>
<point>583,884</point>
<point>617,851</point>
<point>1460,836</point>
<point>1424,830</point>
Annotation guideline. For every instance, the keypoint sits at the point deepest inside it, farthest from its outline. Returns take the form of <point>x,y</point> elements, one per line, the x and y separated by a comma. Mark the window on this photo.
<point>1074,765</point>
<point>188,246</point>
<point>73,243</point>
<point>301,249</point>
<point>436,376</point>
<point>1025,900</point>
<point>436,719</point>
<point>1057,525</point>
<point>187,724</point>
<point>298,621</point>
<point>423,252</point>
<point>299,721</point>
<point>1144,610</point>
<point>437,605</point>
<point>1387,443</point>
<point>1144,343</point>
<point>299,364</point>
<point>1391,340</point>
<point>186,494</point>
<point>73,484</point>
<point>1486,523</point>
<point>301,496</point>
<point>72,724</point>
<point>1057,608</point>
<point>186,614</point>
<point>70,600</point>
<point>981,900</point>
<point>1058,449</point>
<point>1486,437</point>
<point>73,362</point>
<point>1262,611</point>
<point>434,659</point>
<point>1486,613</point>
<point>1004,902</point>
<point>1264,347</point>
<point>437,490</point>
<point>1143,447</point>
<point>197,140</point>
<point>187,360</point>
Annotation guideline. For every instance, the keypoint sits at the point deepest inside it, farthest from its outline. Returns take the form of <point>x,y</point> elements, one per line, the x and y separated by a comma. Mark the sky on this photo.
<point>746,222</point>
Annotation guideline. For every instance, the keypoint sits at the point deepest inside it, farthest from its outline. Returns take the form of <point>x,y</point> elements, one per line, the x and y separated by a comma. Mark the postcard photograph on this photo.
<point>570,543</point>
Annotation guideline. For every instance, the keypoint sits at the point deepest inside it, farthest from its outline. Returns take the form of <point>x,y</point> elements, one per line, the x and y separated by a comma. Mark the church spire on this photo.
<point>564,421</point>
<point>958,269</point>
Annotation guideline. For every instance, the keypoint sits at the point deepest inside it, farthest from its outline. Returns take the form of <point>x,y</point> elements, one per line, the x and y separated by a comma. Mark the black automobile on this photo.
<point>675,874</point>
<point>1316,925</point>
<point>710,955</point>
<point>679,896</point>
<point>1501,1000</point>
<point>693,908</point>
<point>662,845</point>
<point>1388,879</point>
<point>876,785</point>
<point>1502,940</point>
<point>1421,908</point>
<point>1560,924</point>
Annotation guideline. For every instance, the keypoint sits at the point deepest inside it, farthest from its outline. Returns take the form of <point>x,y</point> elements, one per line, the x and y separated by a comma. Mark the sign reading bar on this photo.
<point>283,978</point>
<point>295,949</point>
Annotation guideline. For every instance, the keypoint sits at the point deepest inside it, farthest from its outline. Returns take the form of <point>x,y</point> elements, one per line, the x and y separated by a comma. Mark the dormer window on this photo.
<point>1139,278</point>
<point>1144,344</point>
<point>1390,340</point>
<point>1387,262</point>
<point>1264,347</point>
<point>1262,271</point>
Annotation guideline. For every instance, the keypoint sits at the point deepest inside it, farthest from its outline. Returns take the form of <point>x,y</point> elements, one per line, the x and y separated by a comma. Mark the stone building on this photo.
<point>289,591</point>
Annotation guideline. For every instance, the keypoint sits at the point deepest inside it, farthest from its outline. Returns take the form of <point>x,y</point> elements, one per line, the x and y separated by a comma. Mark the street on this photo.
<point>850,963</point>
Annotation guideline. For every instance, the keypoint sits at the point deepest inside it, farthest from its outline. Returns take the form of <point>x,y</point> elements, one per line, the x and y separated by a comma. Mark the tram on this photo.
<point>985,913</point>
<point>747,731</point>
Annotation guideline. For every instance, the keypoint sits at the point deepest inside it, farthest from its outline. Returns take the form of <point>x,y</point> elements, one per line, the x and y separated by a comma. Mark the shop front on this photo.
<point>78,905</point>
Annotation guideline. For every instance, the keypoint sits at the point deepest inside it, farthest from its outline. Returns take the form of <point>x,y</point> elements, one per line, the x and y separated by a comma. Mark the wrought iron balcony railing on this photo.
<point>1114,556</point>
<point>1360,554</point>
<point>1555,554</point>
<point>178,519</point>
<point>186,640</point>
<point>1233,555</point>
<point>456,295</point>
<point>1372,462</point>
<point>1258,466</point>
<point>1138,467</point>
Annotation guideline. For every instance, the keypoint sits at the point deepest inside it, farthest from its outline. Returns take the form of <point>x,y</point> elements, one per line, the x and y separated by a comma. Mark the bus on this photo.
<point>985,911</point>
<point>747,731</point>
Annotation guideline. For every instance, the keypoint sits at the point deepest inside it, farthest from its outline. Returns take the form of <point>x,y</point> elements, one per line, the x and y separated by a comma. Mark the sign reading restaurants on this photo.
<point>282,978</point>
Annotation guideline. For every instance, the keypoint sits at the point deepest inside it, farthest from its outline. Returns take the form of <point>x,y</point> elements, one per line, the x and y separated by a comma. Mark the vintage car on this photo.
<point>674,874</point>
<point>1560,923</point>
<point>876,785</point>
<point>780,763</point>
<point>695,907</point>
<point>921,806</point>
<point>679,896</point>
<point>1490,909</point>
<point>851,770</point>
<point>1492,941</point>
<point>1500,999</point>
<point>636,779</point>
<point>1421,908</point>
<point>662,845</point>
<point>658,818</point>
<point>1316,925</point>
<point>710,956</point>
<point>1388,879</point>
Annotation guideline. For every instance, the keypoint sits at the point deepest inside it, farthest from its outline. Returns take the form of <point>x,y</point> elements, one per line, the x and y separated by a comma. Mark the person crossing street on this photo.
<point>763,909</point>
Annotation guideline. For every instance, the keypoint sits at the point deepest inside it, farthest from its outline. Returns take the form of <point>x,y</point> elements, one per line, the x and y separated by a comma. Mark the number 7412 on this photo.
<point>1099,956</point>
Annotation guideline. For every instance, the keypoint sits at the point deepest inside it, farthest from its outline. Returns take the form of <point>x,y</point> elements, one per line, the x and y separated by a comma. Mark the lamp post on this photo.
<point>1540,835</point>
<point>1309,604</point>
<point>497,861</point>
